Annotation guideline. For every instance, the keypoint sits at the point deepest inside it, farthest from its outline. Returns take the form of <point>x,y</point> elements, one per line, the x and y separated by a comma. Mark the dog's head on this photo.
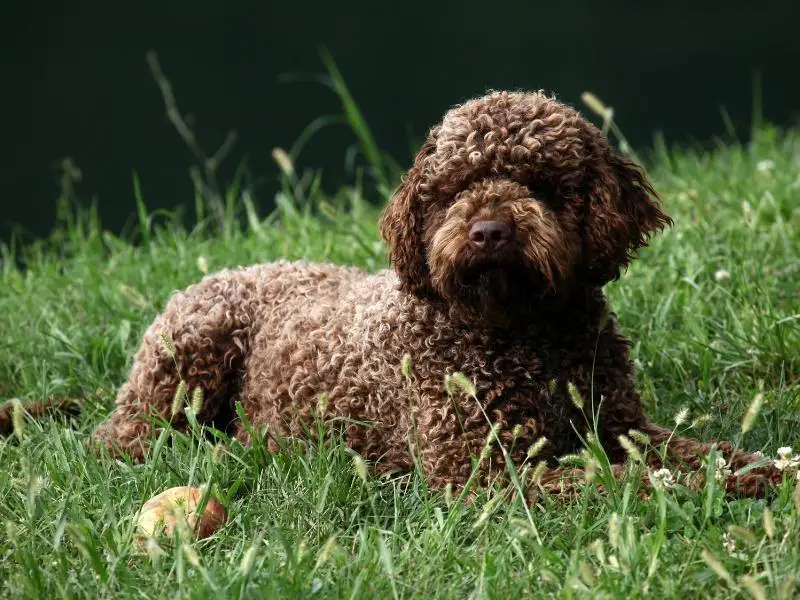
<point>515,191</point>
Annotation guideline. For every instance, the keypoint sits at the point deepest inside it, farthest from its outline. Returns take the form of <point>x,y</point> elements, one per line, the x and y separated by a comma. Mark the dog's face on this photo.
<point>515,197</point>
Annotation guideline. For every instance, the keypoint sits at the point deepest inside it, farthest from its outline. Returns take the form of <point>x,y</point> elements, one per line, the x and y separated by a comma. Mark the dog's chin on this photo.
<point>489,279</point>
<point>497,292</point>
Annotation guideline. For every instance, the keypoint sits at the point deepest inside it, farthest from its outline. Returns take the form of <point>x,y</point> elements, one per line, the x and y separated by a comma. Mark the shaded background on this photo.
<point>74,81</point>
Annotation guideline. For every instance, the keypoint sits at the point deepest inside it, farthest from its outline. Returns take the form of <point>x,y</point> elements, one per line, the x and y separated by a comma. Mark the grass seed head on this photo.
<point>586,573</point>
<point>538,471</point>
<point>747,213</point>
<point>786,590</point>
<point>597,106</point>
<point>701,420</point>
<point>202,264</point>
<point>191,555</point>
<point>460,380</point>
<point>327,550</point>
<point>360,467</point>
<point>197,400</point>
<point>614,531</point>
<point>537,446</point>
<point>179,399</point>
<point>18,418</point>
<point>248,560</point>
<point>575,395</point>
<point>768,522</point>
<point>322,405</point>
<point>752,412</point>
<point>217,452</point>
<point>755,589</point>
<point>591,467</point>
<point>284,161</point>
<point>405,366</point>
<point>599,549</point>
<point>716,566</point>
<point>448,494</point>
<point>640,437</point>
<point>630,448</point>
<point>168,344</point>
<point>742,533</point>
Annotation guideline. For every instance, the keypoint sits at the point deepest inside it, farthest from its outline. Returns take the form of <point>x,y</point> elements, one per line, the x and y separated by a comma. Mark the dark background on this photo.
<point>74,81</point>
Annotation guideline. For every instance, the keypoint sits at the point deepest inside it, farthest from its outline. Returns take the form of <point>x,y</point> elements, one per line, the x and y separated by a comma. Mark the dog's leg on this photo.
<point>682,454</point>
<point>621,411</point>
<point>200,338</point>
<point>690,453</point>
<point>567,482</point>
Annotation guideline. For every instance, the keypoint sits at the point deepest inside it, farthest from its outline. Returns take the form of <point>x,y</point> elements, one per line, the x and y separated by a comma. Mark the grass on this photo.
<point>712,306</point>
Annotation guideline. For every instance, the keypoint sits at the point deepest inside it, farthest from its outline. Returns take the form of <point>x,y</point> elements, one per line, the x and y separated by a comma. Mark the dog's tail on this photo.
<point>38,410</point>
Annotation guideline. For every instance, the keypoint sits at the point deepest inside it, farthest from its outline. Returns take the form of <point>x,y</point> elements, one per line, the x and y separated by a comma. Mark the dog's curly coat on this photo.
<point>513,216</point>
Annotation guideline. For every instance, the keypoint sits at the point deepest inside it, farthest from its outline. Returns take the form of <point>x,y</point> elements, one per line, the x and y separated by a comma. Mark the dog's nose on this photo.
<point>490,235</point>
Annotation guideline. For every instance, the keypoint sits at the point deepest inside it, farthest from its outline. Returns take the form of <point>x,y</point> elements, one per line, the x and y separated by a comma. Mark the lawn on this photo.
<point>713,306</point>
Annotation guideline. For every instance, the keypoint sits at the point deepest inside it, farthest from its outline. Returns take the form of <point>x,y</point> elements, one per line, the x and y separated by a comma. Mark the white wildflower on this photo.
<point>785,459</point>
<point>722,275</point>
<point>729,542</point>
<point>765,166</point>
<point>721,471</point>
<point>662,478</point>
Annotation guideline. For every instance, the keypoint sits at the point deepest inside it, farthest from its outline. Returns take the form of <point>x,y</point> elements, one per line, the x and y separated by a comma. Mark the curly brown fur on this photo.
<point>514,214</point>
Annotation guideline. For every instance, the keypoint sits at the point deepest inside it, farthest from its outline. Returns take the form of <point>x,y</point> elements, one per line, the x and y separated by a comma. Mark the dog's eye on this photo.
<point>546,193</point>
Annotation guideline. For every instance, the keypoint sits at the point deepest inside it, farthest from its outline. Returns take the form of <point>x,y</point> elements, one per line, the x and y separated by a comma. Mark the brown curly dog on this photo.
<point>513,216</point>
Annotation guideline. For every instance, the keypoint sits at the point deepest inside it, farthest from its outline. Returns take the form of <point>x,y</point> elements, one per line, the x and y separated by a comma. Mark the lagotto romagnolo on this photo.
<point>502,234</point>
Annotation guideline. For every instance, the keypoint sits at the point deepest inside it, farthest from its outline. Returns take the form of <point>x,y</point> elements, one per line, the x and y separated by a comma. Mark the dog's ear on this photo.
<point>622,213</point>
<point>402,226</point>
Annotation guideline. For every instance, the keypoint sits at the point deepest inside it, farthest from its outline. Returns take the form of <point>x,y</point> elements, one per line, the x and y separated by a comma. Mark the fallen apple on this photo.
<point>176,507</point>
